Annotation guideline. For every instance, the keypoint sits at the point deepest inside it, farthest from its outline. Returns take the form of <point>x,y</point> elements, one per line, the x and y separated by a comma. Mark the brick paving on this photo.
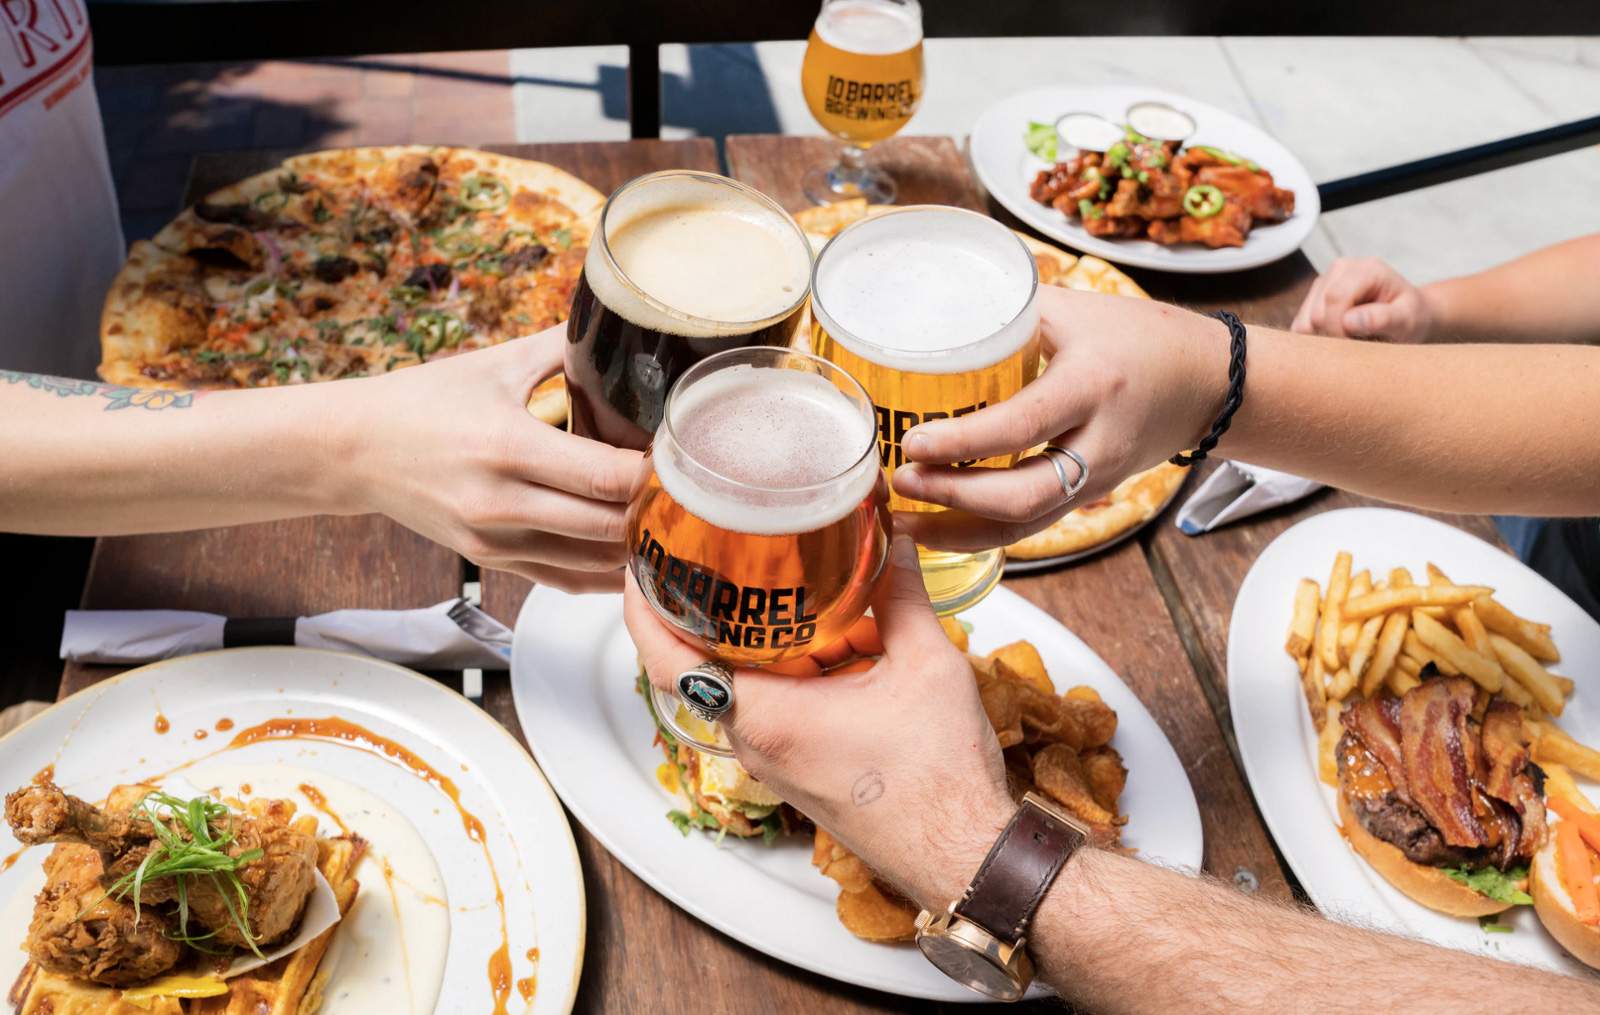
<point>157,118</point>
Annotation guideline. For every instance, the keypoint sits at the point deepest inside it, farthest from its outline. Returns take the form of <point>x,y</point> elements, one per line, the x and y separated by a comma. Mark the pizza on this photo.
<point>349,263</point>
<point>1135,501</point>
<point>1140,497</point>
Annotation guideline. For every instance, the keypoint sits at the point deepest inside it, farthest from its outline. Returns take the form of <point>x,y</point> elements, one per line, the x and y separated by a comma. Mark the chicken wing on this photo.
<point>80,931</point>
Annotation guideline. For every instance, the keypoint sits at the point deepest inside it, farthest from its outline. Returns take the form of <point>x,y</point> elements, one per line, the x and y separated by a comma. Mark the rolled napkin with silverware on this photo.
<point>452,635</point>
<point>1236,490</point>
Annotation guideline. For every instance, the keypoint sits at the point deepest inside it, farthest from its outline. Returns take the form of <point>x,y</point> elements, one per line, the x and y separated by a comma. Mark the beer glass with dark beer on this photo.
<point>759,528</point>
<point>682,265</point>
<point>935,311</point>
<point>862,78</point>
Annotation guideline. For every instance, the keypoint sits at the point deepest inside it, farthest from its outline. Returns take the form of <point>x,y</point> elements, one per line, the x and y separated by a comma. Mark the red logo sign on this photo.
<point>44,39</point>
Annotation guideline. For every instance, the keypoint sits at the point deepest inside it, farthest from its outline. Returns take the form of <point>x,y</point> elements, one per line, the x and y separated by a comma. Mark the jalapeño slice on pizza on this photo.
<point>348,263</point>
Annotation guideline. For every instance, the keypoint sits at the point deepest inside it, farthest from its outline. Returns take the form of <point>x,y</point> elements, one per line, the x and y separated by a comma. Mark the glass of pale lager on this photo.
<point>862,78</point>
<point>759,527</point>
<point>682,265</point>
<point>935,310</point>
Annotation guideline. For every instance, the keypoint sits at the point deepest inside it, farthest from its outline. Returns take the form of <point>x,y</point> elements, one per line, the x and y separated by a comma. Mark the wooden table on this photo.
<point>1156,609</point>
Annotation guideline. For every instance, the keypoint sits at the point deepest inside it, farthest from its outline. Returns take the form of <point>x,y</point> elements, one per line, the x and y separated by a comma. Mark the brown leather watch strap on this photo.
<point>1018,871</point>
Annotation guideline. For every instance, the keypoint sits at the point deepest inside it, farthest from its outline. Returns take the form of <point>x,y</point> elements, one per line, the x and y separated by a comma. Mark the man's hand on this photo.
<point>1365,298</point>
<point>449,449</point>
<point>1130,383</point>
<point>899,761</point>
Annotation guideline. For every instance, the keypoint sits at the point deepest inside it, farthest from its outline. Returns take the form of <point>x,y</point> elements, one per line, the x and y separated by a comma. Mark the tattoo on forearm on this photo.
<point>867,789</point>
<point>119,397</point>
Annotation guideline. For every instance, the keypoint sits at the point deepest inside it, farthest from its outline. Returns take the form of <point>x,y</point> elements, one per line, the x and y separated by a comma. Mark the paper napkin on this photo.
<point>1236,491</point>
<point>453,635</point>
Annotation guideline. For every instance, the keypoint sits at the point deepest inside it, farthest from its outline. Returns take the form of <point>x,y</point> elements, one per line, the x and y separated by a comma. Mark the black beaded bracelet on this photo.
<point>1235,397</point>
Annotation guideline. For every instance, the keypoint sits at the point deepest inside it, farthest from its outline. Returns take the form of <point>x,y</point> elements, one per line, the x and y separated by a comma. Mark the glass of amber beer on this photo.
<point>681,266</point>
<point>862,78</point>
<point>935,310</point>
<point>759,527</point>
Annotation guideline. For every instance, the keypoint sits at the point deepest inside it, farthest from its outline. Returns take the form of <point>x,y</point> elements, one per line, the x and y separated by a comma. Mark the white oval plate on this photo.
<point>1007,167</point>
<point>106,735</point>
<point>573,669</point>
<point>1278,744</point>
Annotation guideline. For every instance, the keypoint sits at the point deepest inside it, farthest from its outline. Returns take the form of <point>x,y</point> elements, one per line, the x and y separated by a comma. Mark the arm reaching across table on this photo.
<point>1546,296</point>
<point>1511,429</point>
<point>900,764</point>
<point>447,449</point>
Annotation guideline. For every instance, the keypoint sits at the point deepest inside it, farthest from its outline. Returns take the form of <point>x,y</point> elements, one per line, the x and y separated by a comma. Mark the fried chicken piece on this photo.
<point>1253,189</point>
<point>1227,228</point>
<point>277,885</point>
<point>79,931</point>
<point>1110,226</point>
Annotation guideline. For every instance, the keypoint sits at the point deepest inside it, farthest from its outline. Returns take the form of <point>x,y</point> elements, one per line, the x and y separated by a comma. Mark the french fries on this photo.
<point>1407,598</point>
<point>1332,611</point>
<point>1393,635</point>
<point>1303,628</point>
<point>1552,744</point>
<point>1525,670</point>
<point>1448,645</point>
<point>1374,638</point>
<point>1558,783</point>
<point>1532,638</point>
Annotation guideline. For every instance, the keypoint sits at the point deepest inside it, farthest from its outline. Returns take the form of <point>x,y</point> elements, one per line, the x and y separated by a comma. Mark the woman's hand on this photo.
<point>899,761</point>
<point>1130,383</point>
<point>449,449</point>
<point>1365,298</point>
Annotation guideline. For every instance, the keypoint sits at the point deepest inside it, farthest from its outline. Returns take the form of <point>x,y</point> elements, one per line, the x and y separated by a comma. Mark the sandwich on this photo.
<point>721,796</point>
<point>1439,793</point>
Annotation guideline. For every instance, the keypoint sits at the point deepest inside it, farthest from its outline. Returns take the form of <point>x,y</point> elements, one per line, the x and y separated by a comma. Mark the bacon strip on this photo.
<point>1376,724</point>
<point>1433,736</point>
<point>1505,751</point>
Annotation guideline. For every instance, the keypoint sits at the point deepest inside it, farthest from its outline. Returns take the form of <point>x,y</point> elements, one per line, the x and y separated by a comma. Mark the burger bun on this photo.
<point>1554,906</point>
<point>1430,886</point>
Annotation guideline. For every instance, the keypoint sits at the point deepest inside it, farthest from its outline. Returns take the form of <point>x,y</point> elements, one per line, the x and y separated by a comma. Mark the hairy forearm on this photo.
<point>1118,936</point>
<point>84,458</point>
<point>1548,296</point>
<point>1469,428</point>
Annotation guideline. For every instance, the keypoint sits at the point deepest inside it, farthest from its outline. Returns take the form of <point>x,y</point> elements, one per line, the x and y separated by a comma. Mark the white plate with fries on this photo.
<point>1520,617</point>
<point>573,672</point>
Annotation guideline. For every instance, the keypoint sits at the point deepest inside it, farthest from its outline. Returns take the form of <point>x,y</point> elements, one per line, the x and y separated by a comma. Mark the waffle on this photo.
<point>289,986</point>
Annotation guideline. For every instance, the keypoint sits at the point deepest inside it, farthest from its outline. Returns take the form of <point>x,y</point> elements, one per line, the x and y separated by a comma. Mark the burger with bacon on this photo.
<point>1438,792</point>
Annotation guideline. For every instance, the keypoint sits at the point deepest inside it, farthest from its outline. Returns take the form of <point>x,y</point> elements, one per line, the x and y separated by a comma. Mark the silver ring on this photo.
<point>707,689</point>
<point>1070,489</point>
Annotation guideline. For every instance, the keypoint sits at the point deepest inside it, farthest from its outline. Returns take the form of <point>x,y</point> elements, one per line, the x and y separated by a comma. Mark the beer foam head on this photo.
<point>766,451</point>
<point>692,254</point>
<point>871,27</point>
<point>927,290</point>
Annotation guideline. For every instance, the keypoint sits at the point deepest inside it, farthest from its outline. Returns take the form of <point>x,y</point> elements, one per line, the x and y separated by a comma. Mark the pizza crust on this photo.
<point>1135,500</point>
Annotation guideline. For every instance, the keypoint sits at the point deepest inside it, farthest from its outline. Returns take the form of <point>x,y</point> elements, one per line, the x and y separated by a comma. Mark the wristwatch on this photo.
<point>980,940</point>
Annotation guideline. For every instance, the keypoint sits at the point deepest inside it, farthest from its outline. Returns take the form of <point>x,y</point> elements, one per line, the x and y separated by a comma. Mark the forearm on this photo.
<point>1468,428</point>
<point>84,458</point>
<point>1117,935</point>
<point>1547,296</point>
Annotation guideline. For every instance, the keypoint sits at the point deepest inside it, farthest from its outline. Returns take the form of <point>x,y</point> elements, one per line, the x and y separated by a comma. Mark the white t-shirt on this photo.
<point>60,237</point>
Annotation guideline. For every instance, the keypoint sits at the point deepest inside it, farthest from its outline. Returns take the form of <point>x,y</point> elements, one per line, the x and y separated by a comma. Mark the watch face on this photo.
<point>969,967</point>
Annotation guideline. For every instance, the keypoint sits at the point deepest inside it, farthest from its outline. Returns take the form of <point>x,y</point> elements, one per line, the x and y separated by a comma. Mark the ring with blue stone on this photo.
<point>707,689</point>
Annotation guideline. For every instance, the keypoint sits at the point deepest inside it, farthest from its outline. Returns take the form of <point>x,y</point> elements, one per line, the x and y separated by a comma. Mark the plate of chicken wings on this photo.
<point>281,830</point>
<point>1198,190</point>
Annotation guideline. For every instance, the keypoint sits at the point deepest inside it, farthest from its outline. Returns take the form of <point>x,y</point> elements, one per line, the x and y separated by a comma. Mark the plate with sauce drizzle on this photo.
<point>470,886</point>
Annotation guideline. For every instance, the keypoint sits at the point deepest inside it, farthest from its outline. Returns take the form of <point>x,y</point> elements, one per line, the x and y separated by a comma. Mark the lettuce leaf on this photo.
<point>1501,886</point>
<point>1041,140</point>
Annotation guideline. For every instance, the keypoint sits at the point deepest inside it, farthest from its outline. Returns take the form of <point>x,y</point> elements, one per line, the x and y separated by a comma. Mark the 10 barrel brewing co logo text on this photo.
<point>870,100</point>
<point>707,604</point>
